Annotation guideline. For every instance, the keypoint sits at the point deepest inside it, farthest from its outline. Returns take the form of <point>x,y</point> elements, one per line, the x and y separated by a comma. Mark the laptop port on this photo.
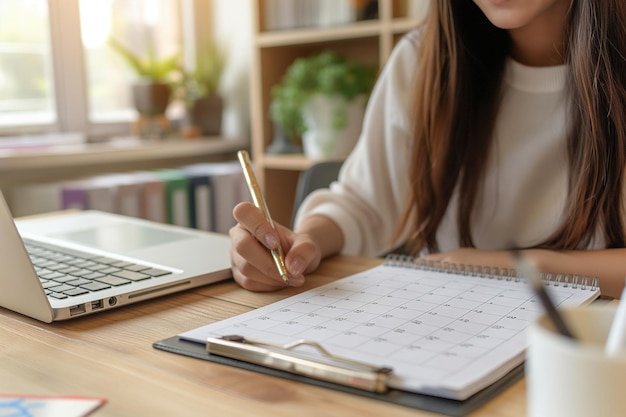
<point>97,305</point>
<point>112,301</point>
<point>78,309</point>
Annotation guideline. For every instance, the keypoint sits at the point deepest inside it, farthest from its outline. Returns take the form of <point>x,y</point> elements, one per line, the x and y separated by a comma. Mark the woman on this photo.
<point>514,137</point>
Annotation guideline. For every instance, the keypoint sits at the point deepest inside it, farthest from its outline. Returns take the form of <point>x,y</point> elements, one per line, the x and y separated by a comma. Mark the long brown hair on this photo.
<point>460,74</point>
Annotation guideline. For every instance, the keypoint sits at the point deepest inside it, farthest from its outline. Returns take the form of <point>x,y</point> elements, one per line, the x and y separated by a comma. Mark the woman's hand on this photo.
<point>251,241</point>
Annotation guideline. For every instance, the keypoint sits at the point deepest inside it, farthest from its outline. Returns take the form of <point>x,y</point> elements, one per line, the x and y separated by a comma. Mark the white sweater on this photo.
<point>526,179</point>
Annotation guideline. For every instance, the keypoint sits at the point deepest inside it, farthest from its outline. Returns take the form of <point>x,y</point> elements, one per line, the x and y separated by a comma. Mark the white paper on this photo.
<point>443,334</point>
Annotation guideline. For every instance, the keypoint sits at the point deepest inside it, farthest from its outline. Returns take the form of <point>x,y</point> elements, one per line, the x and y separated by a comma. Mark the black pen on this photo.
<point>530,273</point>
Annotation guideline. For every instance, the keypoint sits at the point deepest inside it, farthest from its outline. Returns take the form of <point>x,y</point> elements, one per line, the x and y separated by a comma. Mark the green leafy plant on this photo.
<point>148,67</point>
<point>205,78</point>
<point>326,73</point>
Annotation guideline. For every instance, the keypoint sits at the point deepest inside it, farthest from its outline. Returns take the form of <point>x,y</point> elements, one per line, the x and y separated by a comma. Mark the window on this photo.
<point>140,25</point>
<point>26,87</point>
<point>57,71</point>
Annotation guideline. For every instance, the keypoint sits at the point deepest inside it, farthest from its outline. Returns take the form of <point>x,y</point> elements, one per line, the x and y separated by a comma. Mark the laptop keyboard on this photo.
<point>67,273</point>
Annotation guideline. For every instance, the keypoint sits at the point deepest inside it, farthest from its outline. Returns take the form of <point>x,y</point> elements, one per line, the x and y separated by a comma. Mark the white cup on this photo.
<point>575,378</point>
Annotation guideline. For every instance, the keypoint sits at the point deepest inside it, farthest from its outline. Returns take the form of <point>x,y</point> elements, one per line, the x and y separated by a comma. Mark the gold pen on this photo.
<point>277,254</point>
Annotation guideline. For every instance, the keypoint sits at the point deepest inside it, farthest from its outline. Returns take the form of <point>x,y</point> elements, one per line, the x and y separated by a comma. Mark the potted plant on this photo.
<point>152,90</point>
<point>322,99</point>
<point>199,89</point>
<point>285,112</point>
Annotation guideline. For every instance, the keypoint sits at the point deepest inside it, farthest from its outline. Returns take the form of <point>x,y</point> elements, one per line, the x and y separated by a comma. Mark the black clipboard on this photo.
<point>439,405</point>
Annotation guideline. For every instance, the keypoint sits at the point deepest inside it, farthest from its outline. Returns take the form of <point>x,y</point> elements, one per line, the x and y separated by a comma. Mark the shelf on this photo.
<point>294,162</point>
<point>278,38</point>
<point>403,25</point>
<point>71,161</point>
<point>287,162</point>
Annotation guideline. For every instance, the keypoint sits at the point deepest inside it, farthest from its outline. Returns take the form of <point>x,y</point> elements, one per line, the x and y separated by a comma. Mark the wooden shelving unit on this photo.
<point>367,41</point>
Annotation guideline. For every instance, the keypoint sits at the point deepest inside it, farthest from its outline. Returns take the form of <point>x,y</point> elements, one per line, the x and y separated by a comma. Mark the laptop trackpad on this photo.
<point>121,237</point>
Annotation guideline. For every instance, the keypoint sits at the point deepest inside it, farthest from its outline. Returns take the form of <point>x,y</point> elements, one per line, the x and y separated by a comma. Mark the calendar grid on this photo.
<point>442,333</point>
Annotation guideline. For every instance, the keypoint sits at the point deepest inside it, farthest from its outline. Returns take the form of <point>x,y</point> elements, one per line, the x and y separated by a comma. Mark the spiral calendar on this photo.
<point>443,330</point>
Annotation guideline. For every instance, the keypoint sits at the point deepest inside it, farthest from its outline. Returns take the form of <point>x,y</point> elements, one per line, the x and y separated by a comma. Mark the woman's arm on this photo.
<point>325,232</point>
<point>369,197</point>
<point>360,212</point>
<point>609,265</point>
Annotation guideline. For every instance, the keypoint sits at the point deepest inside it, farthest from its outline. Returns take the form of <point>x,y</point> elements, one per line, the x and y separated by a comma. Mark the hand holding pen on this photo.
<point>277,253</point>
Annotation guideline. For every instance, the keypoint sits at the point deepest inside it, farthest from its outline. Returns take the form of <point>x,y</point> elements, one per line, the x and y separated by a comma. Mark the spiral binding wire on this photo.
<point>490,272</point>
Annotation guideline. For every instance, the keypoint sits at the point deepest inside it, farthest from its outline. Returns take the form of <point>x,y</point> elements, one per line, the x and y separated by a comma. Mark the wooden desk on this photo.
<point>110,355</point>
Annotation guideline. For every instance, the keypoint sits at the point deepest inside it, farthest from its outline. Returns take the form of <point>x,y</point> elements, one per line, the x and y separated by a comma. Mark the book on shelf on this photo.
<point>101,193</point>
<point>228,188</point>
<point>290,14</point>
<point>176,196</point>
<point>35,198</point>
<point>153,197</point>
<point>95,193</point>
<point>73,195</point>
<point>201,198</point>
<point>129,192</point>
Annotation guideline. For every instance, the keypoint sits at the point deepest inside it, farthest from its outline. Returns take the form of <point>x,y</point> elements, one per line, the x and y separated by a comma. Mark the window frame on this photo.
<point>70,78</point>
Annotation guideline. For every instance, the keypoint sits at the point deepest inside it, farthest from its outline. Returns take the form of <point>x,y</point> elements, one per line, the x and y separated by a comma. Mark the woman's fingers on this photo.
<point>253,220</point>
<point>251,240</point>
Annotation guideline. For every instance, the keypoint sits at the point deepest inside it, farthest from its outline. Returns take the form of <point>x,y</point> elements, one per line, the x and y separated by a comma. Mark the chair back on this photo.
<point>319,175</point>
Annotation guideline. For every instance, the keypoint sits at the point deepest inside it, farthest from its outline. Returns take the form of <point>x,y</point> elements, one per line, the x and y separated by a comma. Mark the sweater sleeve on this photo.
<point>368,199</point>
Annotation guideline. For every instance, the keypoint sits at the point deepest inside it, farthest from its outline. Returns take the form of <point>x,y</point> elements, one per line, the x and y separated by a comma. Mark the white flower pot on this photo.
<point>321,140</point>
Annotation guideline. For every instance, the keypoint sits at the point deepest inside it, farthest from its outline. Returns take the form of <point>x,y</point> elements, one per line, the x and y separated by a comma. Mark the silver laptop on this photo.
<point>59,267</point>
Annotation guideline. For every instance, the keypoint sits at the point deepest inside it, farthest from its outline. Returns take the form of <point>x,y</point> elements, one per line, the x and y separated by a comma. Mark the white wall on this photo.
<point>232,21</point>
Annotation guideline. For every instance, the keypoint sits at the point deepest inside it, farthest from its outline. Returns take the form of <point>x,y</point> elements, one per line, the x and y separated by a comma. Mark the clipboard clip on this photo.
<point>332,368</point>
